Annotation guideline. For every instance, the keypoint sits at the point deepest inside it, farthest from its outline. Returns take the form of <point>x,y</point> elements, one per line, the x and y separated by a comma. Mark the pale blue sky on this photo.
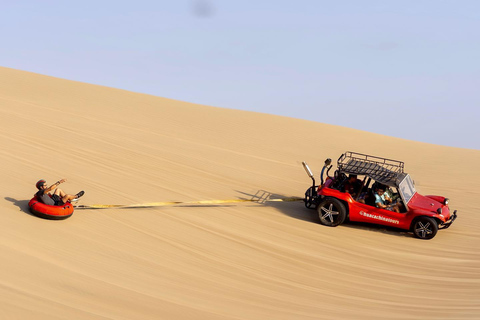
<point>404,68</point>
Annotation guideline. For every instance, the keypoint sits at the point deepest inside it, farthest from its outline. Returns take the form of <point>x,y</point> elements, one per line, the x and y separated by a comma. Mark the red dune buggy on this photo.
<point>375,190</point>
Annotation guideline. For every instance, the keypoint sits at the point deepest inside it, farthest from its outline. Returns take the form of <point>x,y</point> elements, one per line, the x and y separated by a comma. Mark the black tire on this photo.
<point>331,212</point>
<point>425,228</point>
<point>310,197</point>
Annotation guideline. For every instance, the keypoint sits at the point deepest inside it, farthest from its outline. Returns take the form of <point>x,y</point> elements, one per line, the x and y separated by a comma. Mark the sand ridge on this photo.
<point>262,260</point>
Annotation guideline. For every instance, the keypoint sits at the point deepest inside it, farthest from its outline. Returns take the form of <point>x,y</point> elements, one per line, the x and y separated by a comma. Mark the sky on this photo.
<point>402,68</point>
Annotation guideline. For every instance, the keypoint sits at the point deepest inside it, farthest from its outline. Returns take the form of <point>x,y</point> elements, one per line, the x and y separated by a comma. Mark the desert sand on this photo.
<point>231,260</point>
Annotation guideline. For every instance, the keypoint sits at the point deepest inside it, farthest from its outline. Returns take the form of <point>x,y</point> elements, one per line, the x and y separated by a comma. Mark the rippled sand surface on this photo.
<point>229,260</point>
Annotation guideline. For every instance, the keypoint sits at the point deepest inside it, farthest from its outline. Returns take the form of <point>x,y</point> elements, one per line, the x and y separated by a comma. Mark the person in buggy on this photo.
<point>352,185</point>
<point>383,201</point>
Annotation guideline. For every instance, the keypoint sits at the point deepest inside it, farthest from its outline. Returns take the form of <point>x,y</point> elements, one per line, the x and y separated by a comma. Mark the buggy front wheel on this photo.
<point>425,228</point>
<point>331,212</point>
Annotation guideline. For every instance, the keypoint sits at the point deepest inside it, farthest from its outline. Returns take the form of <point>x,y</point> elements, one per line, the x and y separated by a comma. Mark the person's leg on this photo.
<point>65,197</point>
<point>59,192</point>
<point>68,197</point>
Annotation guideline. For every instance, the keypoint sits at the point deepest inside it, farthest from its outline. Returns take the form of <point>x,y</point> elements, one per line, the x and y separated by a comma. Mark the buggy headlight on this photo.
<point>445,202</point>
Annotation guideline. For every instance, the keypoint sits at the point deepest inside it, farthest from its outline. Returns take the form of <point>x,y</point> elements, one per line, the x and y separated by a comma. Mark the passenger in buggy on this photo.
<point>352,185</point>
<point>383,201</point>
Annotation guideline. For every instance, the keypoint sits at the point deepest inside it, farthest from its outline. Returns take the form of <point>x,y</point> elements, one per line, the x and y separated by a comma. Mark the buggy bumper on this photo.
<point>449,222</point>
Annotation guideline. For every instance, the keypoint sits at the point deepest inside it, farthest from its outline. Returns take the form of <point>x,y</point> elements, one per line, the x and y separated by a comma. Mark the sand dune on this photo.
<point>247,260</point>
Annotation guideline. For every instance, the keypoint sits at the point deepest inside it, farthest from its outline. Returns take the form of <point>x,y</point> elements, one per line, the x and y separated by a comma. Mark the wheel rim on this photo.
<point>423,229</point>
<point>329,213</point>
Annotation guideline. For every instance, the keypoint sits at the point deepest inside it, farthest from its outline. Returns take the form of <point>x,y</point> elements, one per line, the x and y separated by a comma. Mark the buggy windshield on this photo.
<point>406,188</point>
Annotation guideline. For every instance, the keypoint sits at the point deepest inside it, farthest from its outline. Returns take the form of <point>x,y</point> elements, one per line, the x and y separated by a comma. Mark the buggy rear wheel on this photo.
<point>425,228</point>
<point>331,212</point>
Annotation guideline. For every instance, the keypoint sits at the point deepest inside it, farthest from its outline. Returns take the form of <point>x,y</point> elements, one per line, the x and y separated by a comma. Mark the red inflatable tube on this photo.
<point>50,212</point>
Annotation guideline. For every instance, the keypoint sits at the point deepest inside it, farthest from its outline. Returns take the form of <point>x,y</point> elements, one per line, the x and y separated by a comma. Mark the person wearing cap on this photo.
<point>58,198</point>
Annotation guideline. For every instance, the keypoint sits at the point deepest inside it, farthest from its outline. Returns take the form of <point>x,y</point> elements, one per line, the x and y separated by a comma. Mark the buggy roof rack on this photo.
<point>386,171</point>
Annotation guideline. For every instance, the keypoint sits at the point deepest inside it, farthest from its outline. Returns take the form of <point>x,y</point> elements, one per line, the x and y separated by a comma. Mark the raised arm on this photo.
<point>53,186</point>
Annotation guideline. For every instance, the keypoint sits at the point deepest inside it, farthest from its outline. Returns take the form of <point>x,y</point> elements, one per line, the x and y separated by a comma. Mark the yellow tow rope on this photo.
<point>173,203</point>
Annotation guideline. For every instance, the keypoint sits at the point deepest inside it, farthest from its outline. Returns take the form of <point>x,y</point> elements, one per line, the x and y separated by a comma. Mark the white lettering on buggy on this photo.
<point>373,216</point>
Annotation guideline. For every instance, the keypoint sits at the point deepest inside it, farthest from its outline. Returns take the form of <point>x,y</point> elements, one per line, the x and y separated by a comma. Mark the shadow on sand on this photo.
<point>294,207</point>
<point>21,204</point>
<point>291,206</point>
